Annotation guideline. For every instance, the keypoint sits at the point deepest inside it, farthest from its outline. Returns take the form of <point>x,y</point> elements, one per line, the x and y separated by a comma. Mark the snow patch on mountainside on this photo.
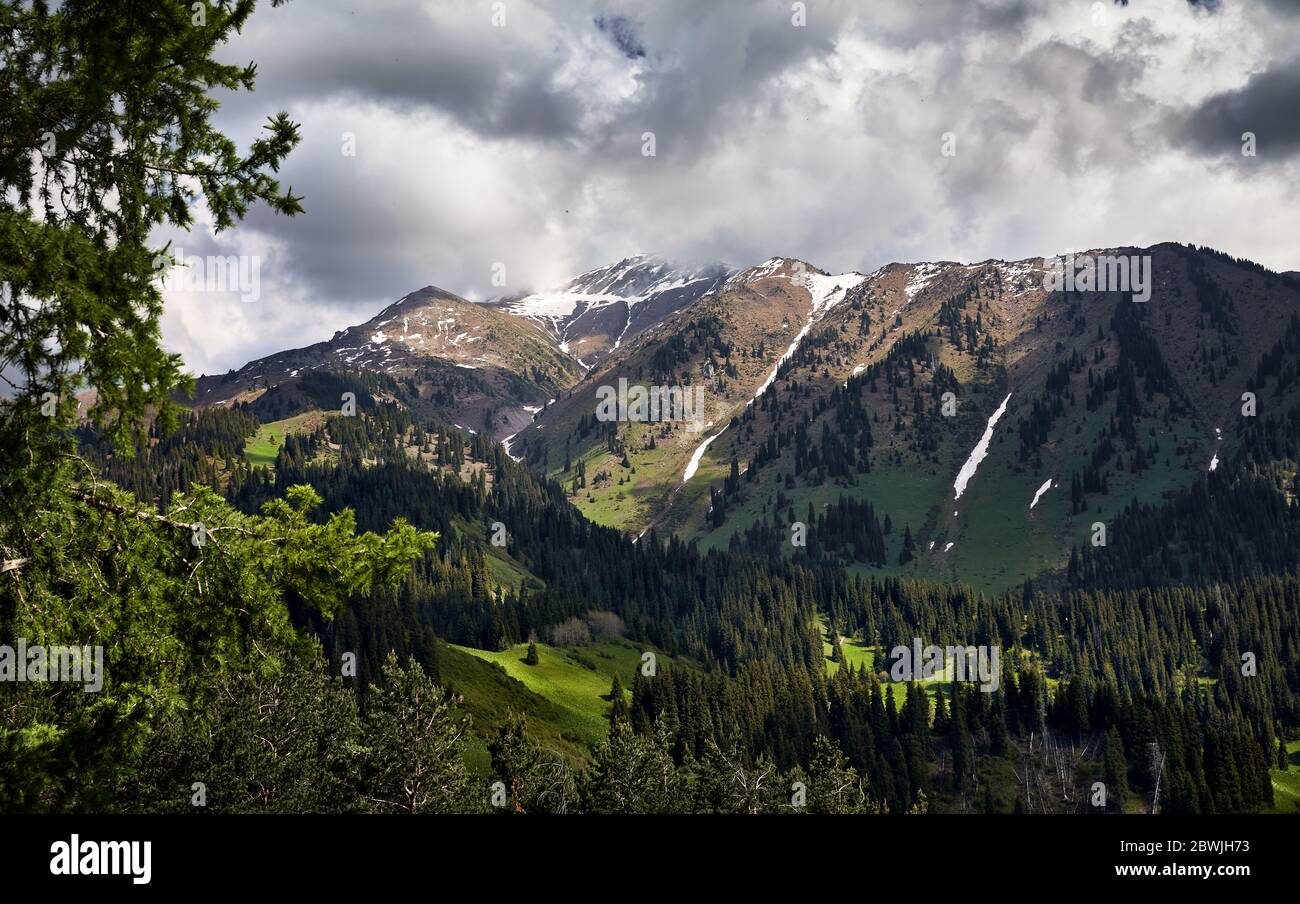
<point>794,346</point>
<point>698,455</point>
<point>627,324</point>
<point>769,268</point>
<point>1019,277</point>
<point>1039,495</point>
<point>826,292</point>
<point>920,277</point>
<point>980,452</point>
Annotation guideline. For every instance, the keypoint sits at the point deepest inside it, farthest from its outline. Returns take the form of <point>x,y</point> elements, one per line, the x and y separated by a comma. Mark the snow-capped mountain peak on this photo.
<point>632,280</point>
<point>595,312</point>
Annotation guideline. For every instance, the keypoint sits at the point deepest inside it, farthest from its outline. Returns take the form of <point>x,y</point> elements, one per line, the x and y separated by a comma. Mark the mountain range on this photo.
<point>990,423</point>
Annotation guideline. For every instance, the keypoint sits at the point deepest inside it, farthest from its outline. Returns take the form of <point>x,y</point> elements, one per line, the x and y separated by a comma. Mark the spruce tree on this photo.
<point>106,109</point>
<point>908,551</point>
<point>536,780</point>
<point>1115,770</point>
<point>414,758</point>
<point>618,711</point>
<point>833,785</point>
<point>633,773</point>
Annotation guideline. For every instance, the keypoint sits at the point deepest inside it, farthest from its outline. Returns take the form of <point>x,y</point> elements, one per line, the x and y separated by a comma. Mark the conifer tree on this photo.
<point>618,711</point>
<point>908,551</point>
<point>833,785</point>
<point>1115,770</point>
<point>536,780</point>
<point>415,746</point>
<point>633,773</point>
<point>106,109</point>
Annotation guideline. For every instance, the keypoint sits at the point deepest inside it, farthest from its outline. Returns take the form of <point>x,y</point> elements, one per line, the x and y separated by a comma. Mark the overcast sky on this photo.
<point>1076,125</point>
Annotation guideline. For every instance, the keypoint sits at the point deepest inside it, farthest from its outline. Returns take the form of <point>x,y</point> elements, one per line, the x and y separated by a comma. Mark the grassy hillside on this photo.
<point>264,446</point>
<point>575,680</point>
<point>1286,785</point>
<point>491,696</point>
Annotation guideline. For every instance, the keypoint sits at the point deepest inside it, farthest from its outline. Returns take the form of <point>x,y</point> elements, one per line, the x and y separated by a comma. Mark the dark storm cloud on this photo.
<point>1002,16</point>
<point>345,245</point>
<point>391,55</point>
<point>1268,105</point>
<point>623,32</point>
<point>354,240</point>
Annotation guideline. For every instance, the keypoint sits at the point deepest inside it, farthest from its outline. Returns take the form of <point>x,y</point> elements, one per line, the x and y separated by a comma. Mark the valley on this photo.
<point>926,454</point>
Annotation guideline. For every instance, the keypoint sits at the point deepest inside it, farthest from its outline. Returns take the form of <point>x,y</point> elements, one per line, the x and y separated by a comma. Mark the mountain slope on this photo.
<point>1103,401</point>
<point>730,343</point>
<point>465,363</point>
